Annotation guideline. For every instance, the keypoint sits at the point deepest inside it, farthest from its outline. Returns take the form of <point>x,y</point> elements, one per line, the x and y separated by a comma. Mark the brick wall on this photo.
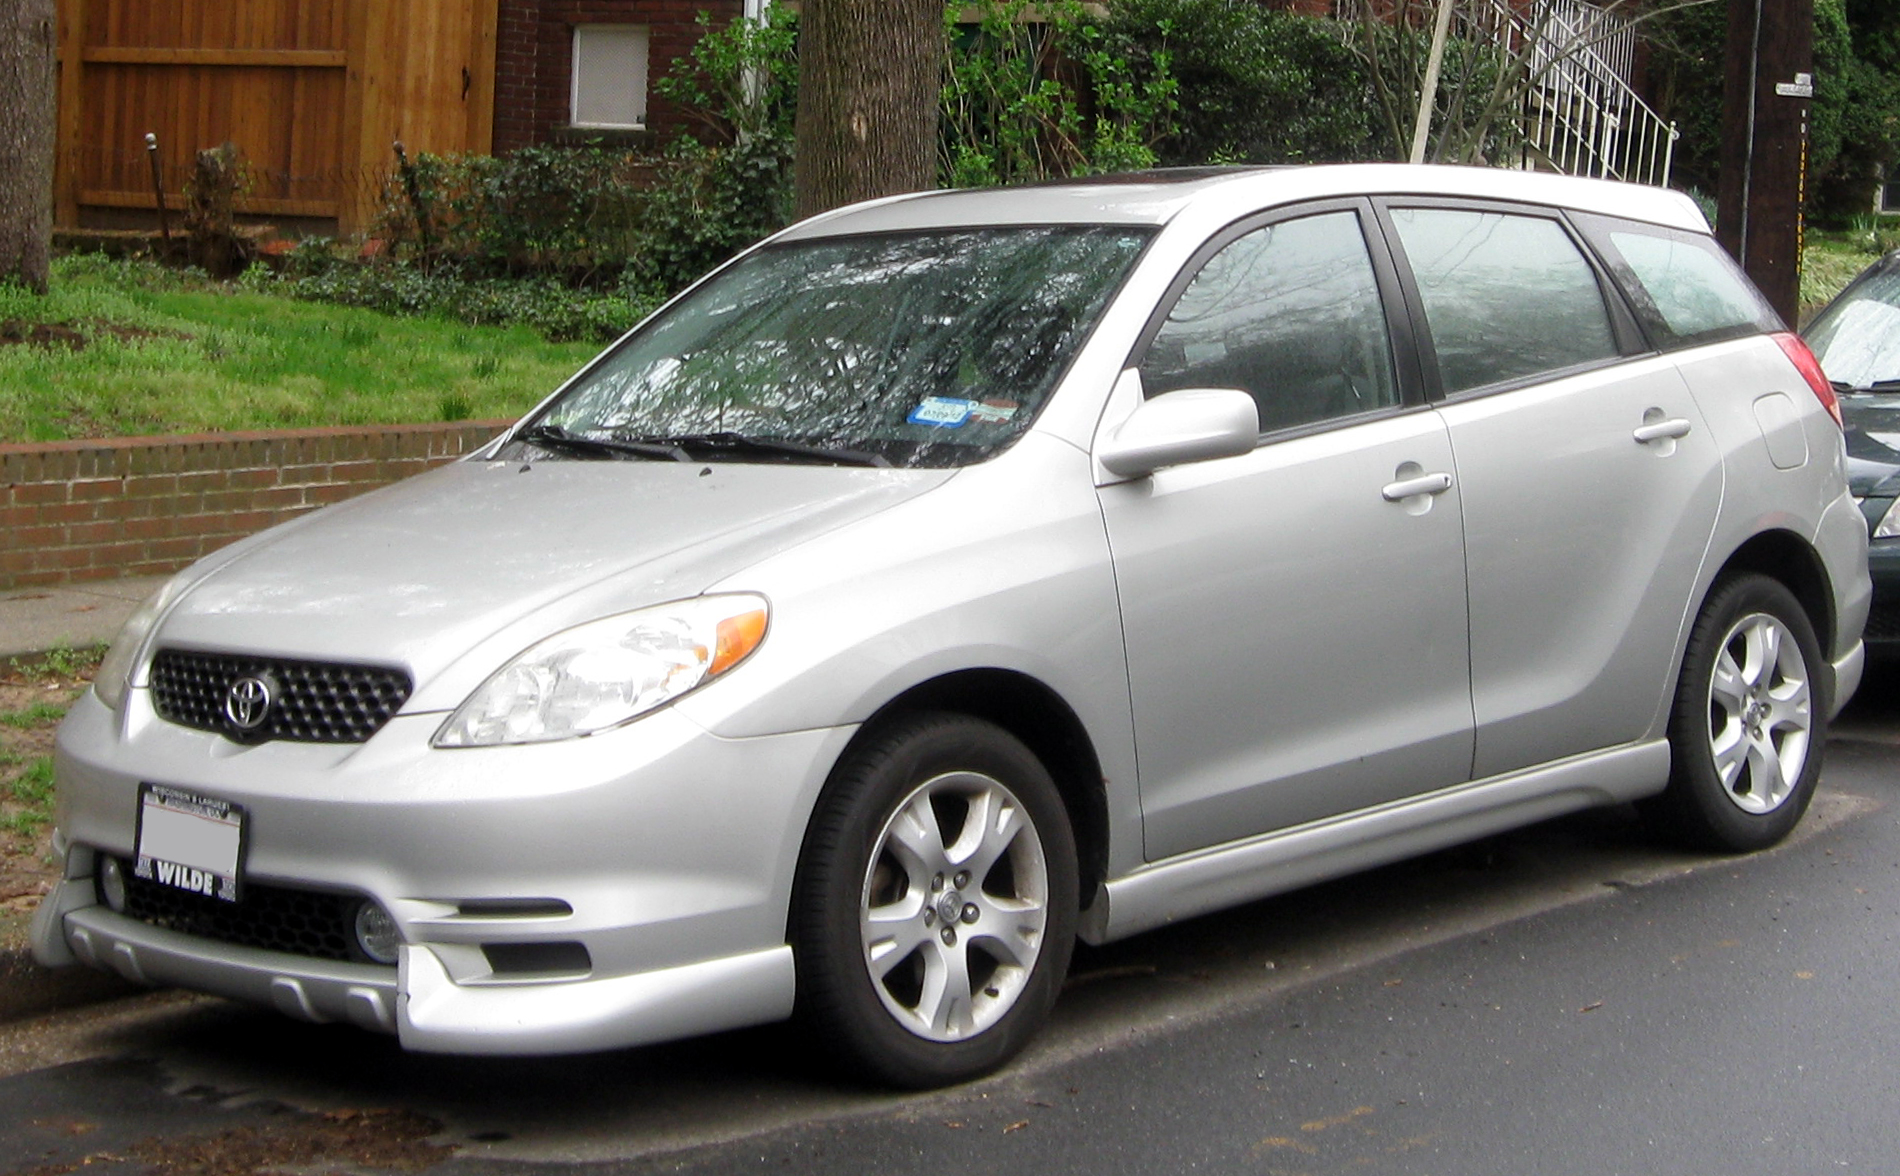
<point>534,46</point>
<point>91,510</point>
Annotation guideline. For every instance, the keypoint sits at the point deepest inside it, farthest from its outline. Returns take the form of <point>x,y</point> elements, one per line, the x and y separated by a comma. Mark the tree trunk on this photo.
<point>870,75</point>
<point>28,45</point>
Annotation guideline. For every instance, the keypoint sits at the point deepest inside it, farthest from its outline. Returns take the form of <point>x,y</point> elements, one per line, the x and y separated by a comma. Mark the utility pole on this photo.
<point>1767,87</point>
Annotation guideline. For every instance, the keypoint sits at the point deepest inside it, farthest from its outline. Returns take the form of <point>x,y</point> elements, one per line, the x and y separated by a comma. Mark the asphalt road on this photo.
<point>1567,999</point>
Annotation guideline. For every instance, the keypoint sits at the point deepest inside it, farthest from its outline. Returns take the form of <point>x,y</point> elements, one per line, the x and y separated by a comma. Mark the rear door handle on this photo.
<point>1409,487</point>
<point>1670,429</point>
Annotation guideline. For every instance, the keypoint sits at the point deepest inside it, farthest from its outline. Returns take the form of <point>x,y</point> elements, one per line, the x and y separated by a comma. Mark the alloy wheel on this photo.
<point>955,905</point>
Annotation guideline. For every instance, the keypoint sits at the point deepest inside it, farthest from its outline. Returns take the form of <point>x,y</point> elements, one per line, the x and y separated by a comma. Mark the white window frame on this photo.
<point>581,32</point>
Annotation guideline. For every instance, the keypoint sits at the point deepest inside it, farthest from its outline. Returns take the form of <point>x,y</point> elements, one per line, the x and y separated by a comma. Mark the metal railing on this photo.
<point>1580,116</point>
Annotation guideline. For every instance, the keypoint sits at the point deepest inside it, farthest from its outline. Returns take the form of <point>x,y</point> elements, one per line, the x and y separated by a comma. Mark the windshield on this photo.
<point>1857,339</point>
<point>922,349</point>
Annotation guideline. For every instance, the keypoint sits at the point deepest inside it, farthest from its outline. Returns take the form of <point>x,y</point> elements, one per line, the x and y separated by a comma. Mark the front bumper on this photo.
<point>1883,619</point>
<point>671,850</point>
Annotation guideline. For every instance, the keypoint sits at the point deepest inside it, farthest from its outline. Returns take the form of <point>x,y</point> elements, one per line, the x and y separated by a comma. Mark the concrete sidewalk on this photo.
<point>34,620</point>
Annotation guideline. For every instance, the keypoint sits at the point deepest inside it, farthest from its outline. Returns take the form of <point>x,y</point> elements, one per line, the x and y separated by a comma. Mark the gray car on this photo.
<point>953,576</point>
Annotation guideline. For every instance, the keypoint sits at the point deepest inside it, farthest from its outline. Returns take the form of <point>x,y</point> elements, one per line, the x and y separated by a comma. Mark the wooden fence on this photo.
<point>313,93</point>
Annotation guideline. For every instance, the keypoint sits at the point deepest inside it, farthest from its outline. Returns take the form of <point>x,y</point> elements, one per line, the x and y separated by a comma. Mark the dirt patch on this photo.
<point>74,336</point>
<point>374,1140</point>
<point>33,698</point>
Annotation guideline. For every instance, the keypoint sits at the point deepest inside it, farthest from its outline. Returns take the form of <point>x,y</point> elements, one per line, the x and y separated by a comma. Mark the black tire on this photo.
<point>860,858</point>
<point>1749,721</point>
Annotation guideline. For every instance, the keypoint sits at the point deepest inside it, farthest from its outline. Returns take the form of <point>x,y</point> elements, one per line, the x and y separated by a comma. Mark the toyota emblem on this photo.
<point>247,704</point>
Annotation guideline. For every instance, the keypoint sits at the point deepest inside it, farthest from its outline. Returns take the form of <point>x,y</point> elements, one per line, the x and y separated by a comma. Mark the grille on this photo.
<point>313,702</point>
<point>274,918</point>
<point>1883,623</point>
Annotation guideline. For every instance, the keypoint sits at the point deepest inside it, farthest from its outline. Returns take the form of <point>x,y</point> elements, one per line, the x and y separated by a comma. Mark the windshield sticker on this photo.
<point>991,412</point>
<point>942,411</point>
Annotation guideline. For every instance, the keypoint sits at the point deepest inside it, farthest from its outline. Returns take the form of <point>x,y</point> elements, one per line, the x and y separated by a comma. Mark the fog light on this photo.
<point>112,884</point>
<point>376,934</point>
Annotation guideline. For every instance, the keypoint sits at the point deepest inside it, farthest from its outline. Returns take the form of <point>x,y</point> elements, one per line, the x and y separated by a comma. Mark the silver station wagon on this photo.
<point>953,576</point>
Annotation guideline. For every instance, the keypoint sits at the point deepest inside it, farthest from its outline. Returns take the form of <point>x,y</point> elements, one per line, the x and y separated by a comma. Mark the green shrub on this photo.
<point>571,211</point>
<point>1027,100</point>
<point>1256,85</point>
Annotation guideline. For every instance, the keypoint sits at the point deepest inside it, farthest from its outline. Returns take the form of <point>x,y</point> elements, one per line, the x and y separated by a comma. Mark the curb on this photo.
<point>28,990</point>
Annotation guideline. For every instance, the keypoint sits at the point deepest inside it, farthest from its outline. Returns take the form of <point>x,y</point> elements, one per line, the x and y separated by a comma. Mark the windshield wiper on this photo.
<point>556,437</point>
<point>741,443</point>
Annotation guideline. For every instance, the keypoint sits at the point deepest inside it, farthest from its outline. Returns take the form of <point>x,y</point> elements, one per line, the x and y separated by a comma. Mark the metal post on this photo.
<point>158,186</point>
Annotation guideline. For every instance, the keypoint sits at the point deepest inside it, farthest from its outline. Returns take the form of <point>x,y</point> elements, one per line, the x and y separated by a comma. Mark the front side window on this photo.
<point>1505,296</point>
<point>933,349</point>
<point>1289,314</point>
<point>610,76</point>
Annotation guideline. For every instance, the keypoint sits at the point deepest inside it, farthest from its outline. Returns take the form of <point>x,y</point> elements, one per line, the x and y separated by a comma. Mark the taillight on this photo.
<point>1810,369</point>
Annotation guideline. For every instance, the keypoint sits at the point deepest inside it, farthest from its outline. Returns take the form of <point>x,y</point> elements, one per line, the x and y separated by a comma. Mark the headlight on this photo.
<point>608,672</point>
<point>114,676</point>
<point>1889,525</point>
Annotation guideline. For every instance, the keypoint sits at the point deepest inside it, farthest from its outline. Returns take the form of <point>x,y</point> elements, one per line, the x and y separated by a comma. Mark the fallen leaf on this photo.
<point>1804,975</point>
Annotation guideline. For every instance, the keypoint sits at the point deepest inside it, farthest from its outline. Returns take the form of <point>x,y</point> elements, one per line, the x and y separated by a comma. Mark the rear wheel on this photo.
<point>1749,721</point>
<point>934,911</point>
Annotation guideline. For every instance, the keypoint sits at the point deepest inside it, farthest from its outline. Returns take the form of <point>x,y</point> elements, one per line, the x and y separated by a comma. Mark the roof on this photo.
<point>1158,197</point>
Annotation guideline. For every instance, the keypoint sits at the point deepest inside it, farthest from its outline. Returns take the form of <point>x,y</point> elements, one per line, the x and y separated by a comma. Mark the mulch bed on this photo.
<point>73,336</point>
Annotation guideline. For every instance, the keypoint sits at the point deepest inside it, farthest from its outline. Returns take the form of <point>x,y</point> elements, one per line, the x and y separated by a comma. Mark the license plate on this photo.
<point>190,842</point>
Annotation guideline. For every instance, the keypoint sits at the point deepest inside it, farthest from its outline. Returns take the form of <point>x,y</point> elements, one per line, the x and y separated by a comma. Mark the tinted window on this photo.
<point>922,348</point>
<point>1505,296</point>
<point>1289,314</point>
<point>1686,289</point>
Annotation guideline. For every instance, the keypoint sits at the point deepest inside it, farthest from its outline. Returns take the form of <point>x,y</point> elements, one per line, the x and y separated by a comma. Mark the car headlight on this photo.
<point>114,676</point>
<point>1889,524</point>
<point>608,672</point>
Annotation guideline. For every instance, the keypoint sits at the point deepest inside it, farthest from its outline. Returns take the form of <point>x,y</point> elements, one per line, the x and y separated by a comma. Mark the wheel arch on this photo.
<point>1785,556</point>
<point>1034,713</point>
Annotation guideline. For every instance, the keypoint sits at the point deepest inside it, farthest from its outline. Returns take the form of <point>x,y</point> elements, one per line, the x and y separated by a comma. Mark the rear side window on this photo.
<point>1684,287</point>
<point>1506,296</point>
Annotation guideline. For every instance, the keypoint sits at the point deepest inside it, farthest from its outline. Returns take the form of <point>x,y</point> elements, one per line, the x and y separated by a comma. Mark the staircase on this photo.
<point>1580,115</point>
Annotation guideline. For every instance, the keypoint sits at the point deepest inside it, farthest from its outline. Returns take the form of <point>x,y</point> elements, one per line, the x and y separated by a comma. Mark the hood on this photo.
<point>1872,423</point>
<point>419,573</point>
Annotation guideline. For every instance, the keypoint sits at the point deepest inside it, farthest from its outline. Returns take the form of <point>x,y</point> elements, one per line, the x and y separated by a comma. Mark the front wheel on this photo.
<point>935,906</point>
<point>1749,721</point>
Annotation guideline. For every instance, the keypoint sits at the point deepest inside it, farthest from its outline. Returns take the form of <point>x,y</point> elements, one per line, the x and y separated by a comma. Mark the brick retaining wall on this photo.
<point>135,506</point>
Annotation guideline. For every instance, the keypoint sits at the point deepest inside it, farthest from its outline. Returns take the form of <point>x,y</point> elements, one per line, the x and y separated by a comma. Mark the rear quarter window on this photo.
<point>1685,288</point>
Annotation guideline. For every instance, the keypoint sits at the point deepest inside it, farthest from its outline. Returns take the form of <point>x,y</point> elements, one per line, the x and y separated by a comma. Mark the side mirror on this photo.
<point>1180,427</point>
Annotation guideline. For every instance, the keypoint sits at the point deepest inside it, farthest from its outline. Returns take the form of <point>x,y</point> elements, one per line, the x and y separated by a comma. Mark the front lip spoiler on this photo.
<point>428,1011</point>
<point>308,989</point>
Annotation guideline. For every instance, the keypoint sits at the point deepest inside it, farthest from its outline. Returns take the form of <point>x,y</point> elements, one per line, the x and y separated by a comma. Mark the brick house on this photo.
<point>568,70</point>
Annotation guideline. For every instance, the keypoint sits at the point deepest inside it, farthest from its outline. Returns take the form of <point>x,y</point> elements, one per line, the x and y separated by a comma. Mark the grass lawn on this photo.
<point>1829,262</point>
<point>128,348</point>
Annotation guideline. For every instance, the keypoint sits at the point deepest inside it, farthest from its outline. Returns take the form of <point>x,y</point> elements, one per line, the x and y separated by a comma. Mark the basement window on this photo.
<point>610,76</point>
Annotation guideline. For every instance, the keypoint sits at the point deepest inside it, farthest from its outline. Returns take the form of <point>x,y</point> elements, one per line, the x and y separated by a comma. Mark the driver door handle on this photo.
<point>1424,484</point>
